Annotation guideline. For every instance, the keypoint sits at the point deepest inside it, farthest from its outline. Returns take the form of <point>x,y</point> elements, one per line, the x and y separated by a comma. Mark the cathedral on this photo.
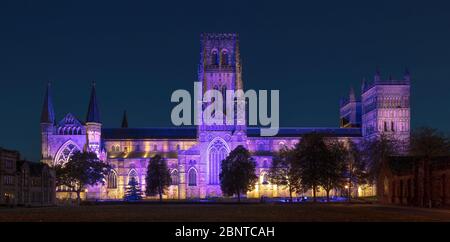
<point>194,153</point>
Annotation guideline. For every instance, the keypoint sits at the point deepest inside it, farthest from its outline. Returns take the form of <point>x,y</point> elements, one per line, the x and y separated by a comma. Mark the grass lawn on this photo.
<point>251,212</point>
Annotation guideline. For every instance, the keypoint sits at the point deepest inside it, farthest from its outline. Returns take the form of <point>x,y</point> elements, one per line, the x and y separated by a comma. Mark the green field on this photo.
<point>252,212</point>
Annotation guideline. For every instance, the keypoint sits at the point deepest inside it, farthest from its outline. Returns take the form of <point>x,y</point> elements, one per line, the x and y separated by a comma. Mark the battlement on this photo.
<point>219,36</point>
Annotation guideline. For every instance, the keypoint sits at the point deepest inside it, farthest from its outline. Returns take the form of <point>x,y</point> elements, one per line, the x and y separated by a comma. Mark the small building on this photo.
<point>8,160</point>
<point>25,183</point>
<point>411,181</point>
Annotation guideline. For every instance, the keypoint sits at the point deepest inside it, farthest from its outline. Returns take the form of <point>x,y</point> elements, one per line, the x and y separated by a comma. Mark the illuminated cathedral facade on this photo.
<point>194,153</point>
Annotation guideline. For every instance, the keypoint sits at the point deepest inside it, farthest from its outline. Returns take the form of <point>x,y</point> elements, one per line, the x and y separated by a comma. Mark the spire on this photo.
<point>93,115</point>
<point>363,84</point>
<point>407,75</point>
<point>377,77</point>
<point>352,97</point>
<point>48,114</point>
<point>125,120</point>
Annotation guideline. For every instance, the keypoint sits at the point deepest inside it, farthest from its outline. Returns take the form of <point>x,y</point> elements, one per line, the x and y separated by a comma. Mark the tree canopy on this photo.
<point>158,177</point>
<point>238,172</point>
<point>81,170</point>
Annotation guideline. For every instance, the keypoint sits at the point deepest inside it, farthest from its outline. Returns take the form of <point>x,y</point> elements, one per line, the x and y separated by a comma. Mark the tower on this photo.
<point>350,111</point>
<point>386,107</point>
<point>93,124</point>
<point>219,69</point>
<point>47,126</point>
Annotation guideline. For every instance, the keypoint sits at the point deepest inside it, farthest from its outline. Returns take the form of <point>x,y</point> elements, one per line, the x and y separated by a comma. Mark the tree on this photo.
<point>310,152</point>
<point>82,170</point>
<point>332,167</point>
<point>158,177</point>
<point>282,171</point>
<point>428,143</point>
<point>377,150</point>
<point>238,172</point>
<point>356,167</point>
<point>133,192</point>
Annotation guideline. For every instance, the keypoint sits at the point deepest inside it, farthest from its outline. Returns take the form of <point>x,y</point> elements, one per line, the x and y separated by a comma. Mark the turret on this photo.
<point>47,125</point>
<point>377,76</point>
<point>93,123</point>
<point>350,111</point>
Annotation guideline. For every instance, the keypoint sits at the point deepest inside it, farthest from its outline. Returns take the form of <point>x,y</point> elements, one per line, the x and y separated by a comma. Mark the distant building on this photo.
<point>25,183</point>
<point>406,181</point>
<point>8,171</point>
<point>194,153</point>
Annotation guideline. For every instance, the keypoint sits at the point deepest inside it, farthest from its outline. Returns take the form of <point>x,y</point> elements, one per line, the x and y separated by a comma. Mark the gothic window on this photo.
<point>112,180</point>
<point>224,58</point>
<point>217,153</point>
<point>134,174</point>
<point>385,126</point>
<point>192,177</point>
<point>264,179</point>
<point>65,152</point>
<point>214,58</point>
<point>224,98</point>
<point>174,177</point>
<point>155,148</point>
<point>392,126</point>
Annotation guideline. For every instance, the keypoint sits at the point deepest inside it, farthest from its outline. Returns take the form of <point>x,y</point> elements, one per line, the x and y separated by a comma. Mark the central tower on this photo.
<point>219,69</point>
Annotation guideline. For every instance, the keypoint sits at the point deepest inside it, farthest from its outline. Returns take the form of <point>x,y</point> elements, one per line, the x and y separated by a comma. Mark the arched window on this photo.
<point>112,180</point>
<point>65,152</point>
<point>134,174</point>
<point>217,153</point>
<point>155,148</point>
<point>214,58</point>
<point>192,177</point>
<point>264,179</point>
<point>174,177</point>
<point>224,58</point>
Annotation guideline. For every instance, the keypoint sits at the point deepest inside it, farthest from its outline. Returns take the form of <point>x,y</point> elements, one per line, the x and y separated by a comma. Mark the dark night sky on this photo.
<point>140,51</point>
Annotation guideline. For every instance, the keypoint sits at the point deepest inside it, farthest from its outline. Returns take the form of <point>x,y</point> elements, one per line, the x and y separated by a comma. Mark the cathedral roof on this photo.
<point>191,132</point>
<point>297,132</point>
<point>150,133</point>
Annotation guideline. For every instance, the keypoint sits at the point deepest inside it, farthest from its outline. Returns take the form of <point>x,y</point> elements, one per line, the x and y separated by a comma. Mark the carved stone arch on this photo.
<point>214,57</point>
<point>224,57</point>
<point>65,152</point>
<point>112,179</point>
<point>175,177</point>
<point>192,176</point>
<point>133,173</point>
